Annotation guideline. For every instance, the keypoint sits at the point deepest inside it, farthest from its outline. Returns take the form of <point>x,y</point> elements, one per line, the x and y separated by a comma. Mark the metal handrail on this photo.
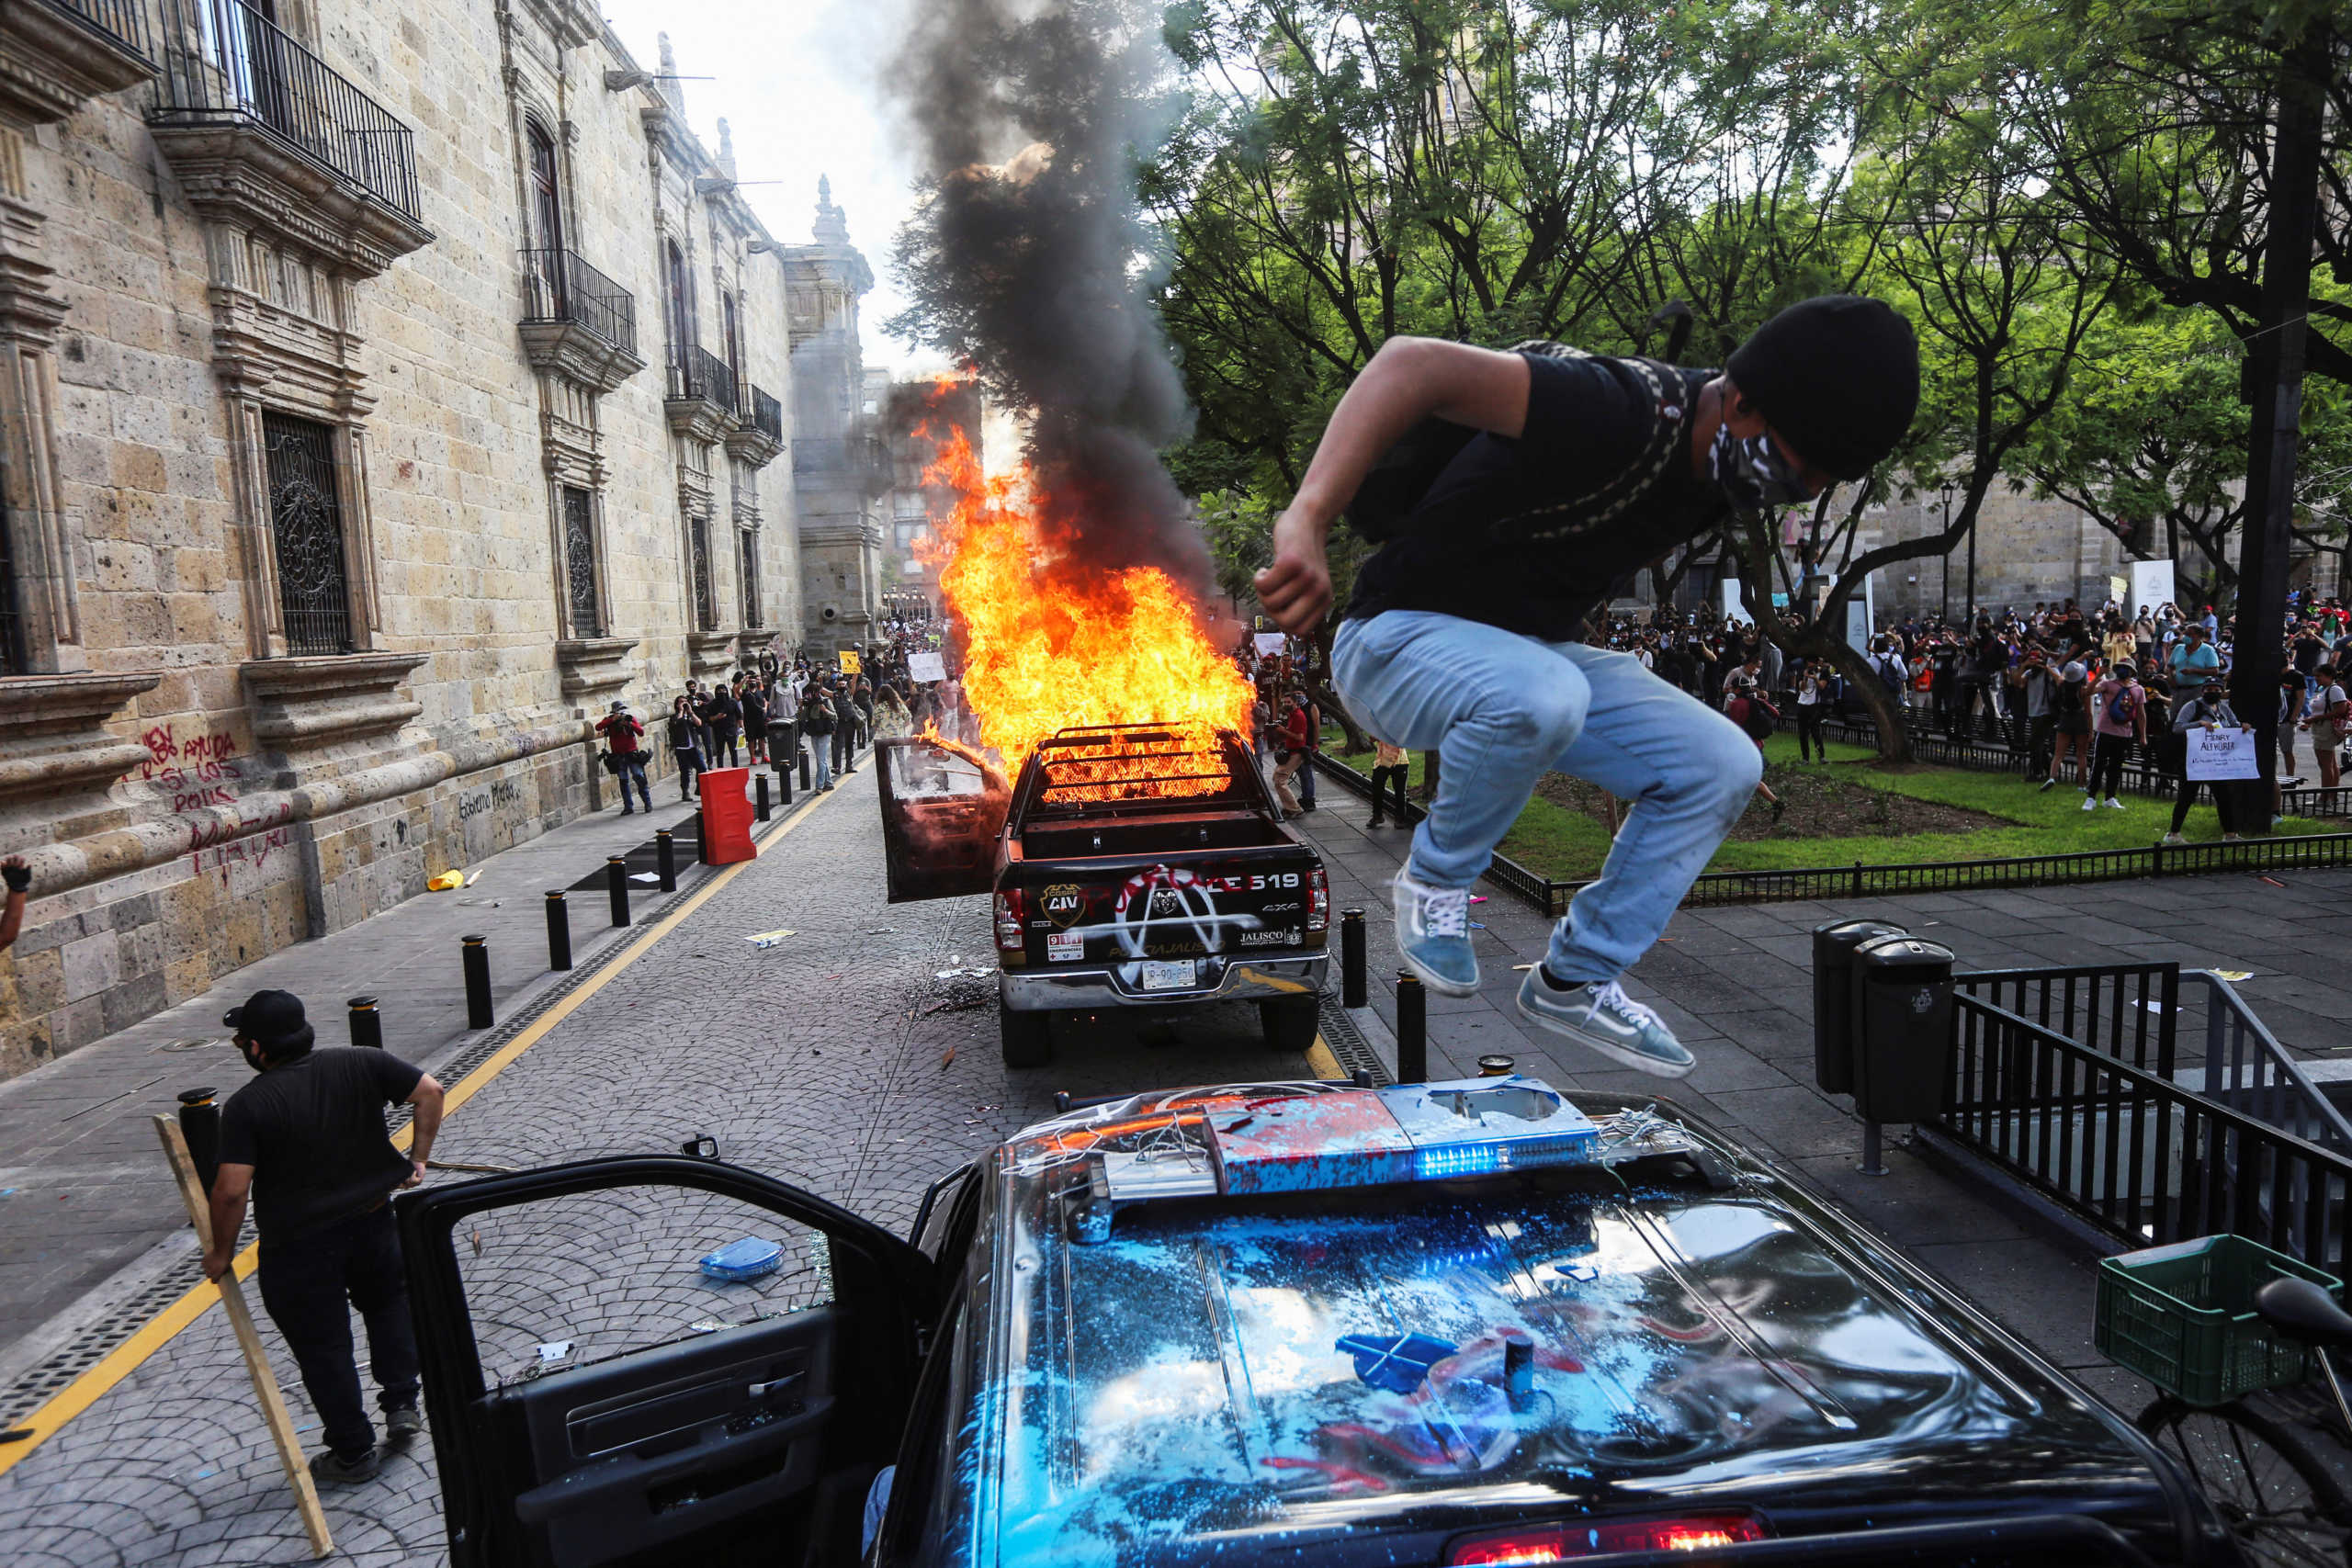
<point>2246,1067</point>
<point>121,21</point>
<point>767,414</point>
<point>699,375</point>
<point>558,285</point>
<point>225,60</point>
<point>2145,1159</point>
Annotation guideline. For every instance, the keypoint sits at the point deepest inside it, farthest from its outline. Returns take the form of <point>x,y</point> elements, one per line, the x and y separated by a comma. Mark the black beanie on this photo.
<point>1838,378</point>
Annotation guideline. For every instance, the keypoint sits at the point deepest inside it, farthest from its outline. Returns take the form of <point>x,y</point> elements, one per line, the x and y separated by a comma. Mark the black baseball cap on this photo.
<point>267,1017</point>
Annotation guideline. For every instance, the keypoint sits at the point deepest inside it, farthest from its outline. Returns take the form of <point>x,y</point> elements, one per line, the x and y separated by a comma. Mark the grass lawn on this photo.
<point>1567,845</point>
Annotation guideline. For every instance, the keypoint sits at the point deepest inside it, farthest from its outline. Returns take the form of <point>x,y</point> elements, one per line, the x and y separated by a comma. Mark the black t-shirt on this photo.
<point>1588,420</point>
<point>313,1131</point>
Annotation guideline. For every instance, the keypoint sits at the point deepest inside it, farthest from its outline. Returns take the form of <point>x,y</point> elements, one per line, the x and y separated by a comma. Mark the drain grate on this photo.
<point>1348,1047</point>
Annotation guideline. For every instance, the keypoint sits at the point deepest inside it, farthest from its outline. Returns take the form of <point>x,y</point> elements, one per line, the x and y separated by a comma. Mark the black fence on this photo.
<point>1863,881</point>
<point>1859,881</point>
<point>2125,1010</point>
<point>558,285</point>
<point>2126,1149</point>
<point>120,20</point>
<point>699,375</point>
<point>767,414</point>
<point>224,61</point>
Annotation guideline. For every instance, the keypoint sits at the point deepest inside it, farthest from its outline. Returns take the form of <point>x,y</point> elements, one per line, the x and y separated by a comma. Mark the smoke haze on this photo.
<point>1028,258</point>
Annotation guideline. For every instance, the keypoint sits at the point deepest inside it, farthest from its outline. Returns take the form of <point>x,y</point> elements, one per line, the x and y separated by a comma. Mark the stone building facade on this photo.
<point>839,465</point>
<point>384,391</point>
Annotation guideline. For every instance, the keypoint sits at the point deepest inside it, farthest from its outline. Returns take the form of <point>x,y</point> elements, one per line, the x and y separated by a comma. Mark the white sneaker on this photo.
<point>2090,803</point>
<point>2113,804</point>
<point>2174,839</point>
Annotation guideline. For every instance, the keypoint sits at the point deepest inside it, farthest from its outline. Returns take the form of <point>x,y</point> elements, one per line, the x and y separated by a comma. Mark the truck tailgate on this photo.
<point>1188,904</point>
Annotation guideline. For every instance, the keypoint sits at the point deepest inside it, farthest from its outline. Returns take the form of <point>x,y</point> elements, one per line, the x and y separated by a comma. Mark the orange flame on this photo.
<point>1050,642</point>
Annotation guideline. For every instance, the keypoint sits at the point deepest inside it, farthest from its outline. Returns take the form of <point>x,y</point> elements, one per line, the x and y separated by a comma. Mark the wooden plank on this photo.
<point>240,1317</point>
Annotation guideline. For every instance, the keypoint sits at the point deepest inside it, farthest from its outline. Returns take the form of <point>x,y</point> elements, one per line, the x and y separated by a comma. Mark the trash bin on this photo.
<point>1833,998</point>
<point>726,816</point>
<point>1902,1023</point>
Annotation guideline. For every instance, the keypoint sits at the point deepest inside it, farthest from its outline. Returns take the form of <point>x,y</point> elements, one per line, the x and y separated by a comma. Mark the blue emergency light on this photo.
<point>1410,1132</point>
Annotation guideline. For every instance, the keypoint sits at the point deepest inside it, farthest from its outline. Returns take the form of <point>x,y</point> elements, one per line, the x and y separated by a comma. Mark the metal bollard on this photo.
<point>201,1125</point>
<point>475,952</point>
<point>804,766</point>
<point>1352,982</point>
<point>559,932</point>
<point>760,788</point>
<point>665,859</point>
<point>616,883</point>
<point>1497,1066</point>
<point>366,1024</point>
<point>1412,1029</point>
<point>783,782</point>
<point>702,836</point>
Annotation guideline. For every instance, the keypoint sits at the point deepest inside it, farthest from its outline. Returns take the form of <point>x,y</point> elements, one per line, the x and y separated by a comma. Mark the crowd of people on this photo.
<point>2075,695</point>
<point>783,711</point>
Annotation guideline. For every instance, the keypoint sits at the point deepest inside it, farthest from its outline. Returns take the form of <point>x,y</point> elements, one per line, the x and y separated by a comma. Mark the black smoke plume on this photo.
<point>1028,258</point>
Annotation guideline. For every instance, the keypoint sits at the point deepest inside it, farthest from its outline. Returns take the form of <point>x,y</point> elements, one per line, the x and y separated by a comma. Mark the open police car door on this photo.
<point>658,1359</point>
<point>943,811</point>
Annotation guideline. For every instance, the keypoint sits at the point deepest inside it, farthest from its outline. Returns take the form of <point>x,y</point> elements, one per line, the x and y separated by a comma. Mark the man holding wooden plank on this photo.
<point>306,1140</point>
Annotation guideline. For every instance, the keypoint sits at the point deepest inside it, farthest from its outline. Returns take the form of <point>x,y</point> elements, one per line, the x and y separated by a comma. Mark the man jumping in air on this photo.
<point>1462,635</point>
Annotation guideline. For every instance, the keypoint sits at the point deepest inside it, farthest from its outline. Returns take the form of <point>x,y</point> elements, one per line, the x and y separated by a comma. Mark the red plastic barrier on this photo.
<point>726,817</point>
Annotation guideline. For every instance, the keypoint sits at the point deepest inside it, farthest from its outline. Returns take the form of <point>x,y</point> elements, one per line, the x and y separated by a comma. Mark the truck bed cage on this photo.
<point>1074,758</point>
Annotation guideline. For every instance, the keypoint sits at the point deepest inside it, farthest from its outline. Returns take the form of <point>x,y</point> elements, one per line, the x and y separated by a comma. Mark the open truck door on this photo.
<point>943,813</point>
<point>598,1396</point>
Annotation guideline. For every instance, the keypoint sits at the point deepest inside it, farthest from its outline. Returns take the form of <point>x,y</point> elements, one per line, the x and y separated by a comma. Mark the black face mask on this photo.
<point>1752,473</point>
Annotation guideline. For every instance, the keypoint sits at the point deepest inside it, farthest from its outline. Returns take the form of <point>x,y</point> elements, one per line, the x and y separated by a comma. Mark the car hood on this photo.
<point>1314,1368</point>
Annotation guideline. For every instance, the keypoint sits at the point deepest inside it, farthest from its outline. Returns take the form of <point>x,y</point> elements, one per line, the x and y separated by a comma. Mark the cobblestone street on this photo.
<point>824,1061</point>
<point>858,1058</point>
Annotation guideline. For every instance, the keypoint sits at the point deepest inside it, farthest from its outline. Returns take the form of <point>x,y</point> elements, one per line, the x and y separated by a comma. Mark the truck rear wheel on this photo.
<point>1290,1022</point>
<point>1026,1037</point>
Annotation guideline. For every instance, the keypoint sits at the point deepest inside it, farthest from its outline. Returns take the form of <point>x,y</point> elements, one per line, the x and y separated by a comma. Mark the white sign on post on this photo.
<point>2152,585</point>
<point>1269,645</point>
<point>924,668</point>
<point>2221,754</point>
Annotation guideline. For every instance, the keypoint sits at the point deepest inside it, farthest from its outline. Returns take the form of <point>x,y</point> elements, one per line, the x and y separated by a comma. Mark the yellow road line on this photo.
<point>157,1331</point>
<point>1320,1058</point>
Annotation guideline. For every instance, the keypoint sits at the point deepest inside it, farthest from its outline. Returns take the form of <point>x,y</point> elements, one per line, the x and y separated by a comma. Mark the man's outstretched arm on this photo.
<point>1408,380</point>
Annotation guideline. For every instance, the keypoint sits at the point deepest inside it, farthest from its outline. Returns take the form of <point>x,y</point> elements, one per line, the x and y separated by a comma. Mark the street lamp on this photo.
<point>1945,577</point>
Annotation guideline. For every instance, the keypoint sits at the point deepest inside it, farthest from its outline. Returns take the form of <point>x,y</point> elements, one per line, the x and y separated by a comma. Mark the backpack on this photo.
<point>1384,503</point>
<point>1760,719</point>
<point>2122,706</point>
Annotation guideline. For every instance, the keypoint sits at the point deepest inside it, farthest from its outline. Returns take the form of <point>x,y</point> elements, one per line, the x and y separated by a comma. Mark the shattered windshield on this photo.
<point>1220,1367</point>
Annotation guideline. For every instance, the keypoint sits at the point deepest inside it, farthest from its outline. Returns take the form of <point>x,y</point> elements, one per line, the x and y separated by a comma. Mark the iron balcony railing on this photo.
<point>560,286</point>
<point>700,376</point>
<point>121,21</point>
<point>224,61</point>
<point>862,454</point>
<point>767,414</point>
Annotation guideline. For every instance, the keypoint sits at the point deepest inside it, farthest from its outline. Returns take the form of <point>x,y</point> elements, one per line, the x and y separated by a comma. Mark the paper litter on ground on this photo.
<point>2235,975</point>
<point>645,877</point>
<point>768,938</point>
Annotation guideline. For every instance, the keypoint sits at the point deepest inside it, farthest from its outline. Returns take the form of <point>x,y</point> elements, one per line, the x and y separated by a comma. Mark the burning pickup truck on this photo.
<point>1132,865</point>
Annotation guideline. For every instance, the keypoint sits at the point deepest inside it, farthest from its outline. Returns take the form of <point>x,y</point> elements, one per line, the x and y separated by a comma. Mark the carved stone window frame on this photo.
<point>249,447</point>
<point>572,466</point>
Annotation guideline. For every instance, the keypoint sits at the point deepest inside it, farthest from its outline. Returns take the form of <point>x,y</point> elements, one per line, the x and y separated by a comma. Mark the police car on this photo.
<point>1290,1322</point>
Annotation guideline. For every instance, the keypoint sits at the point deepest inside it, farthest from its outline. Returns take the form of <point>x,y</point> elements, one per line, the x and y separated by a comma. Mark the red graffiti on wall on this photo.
<point>253,848</point>
<point>183,766</point>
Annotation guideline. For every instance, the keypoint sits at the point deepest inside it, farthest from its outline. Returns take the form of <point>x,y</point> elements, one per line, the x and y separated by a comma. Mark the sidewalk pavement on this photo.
<point>1736,986</point>
<point>82,1194</point>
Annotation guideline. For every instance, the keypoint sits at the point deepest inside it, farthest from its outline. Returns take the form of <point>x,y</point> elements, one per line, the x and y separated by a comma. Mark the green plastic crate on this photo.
<point>2182,1316</point>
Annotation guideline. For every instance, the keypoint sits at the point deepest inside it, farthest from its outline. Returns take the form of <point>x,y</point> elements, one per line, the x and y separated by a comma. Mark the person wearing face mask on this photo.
<point>1508,490</point>
<point>305,1141</point>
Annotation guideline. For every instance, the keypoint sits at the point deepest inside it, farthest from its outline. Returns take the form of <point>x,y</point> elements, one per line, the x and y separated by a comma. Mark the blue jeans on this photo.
<point>822,745</point>
<point>1502,710</point>
<point>633,773</point>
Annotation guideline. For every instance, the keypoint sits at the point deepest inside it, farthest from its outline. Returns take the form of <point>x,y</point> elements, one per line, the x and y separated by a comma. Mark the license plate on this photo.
<point>1064,947</point>
<point>1168,974</point>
